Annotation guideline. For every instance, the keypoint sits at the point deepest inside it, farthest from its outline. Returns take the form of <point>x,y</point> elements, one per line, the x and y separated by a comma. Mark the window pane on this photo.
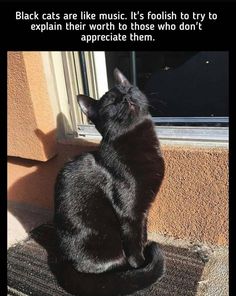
<point>178,84</point>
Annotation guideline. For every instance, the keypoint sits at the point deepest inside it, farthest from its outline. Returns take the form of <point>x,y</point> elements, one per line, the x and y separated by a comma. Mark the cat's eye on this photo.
<point>111,99</point>
<point>106,106</point>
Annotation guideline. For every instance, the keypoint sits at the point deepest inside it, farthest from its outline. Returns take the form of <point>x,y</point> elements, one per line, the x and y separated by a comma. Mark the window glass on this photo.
<point>178,84</point>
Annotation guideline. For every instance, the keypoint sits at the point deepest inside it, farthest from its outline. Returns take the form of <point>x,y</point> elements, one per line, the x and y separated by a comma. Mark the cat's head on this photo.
<point>118,110</point>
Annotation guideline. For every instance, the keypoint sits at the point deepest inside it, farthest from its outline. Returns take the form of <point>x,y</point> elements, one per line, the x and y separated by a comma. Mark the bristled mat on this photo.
<point>30,269</point>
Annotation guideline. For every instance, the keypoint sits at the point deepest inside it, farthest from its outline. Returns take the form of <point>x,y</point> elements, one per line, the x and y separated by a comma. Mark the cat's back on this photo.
<point>79,178</point>
<point>79,167</point>
<point>84,161</point>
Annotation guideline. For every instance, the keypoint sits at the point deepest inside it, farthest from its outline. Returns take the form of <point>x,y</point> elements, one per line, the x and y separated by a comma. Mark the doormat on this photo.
<point>30,268</point>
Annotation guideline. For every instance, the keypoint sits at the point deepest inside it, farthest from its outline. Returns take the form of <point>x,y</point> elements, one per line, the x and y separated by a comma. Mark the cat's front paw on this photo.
<point>136,261</point>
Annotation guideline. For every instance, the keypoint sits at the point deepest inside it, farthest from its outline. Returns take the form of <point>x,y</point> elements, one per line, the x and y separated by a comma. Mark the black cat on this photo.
<point>102,199</point>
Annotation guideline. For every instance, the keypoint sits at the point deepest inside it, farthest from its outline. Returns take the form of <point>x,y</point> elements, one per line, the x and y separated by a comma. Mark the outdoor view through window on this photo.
<point>178,84</point>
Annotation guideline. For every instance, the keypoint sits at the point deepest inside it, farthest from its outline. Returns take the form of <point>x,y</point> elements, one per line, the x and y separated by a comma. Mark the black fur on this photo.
<point>102,199</point>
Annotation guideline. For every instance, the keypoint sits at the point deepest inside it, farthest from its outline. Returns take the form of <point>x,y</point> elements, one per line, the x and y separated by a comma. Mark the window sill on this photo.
<point>214,135</point>
<point>201,136</point>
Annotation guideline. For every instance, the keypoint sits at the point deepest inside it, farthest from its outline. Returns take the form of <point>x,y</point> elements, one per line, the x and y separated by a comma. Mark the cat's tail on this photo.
<point>116,283</point>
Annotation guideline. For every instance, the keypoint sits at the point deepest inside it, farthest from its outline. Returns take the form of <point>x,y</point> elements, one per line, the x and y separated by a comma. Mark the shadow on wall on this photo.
<point>31,182</point>
<point>48,142</point>
<point>63,129</point>
<point>63,126</point>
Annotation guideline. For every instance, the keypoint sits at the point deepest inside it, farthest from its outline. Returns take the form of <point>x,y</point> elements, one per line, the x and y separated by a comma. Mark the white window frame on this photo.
<point>64,78</point>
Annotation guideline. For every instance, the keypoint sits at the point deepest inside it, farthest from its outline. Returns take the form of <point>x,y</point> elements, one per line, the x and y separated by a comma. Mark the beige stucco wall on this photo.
<point>193,201</point>
<point>31,125</point>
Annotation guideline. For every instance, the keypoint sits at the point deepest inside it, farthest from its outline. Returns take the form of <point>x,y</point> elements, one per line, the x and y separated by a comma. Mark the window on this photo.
<point>187,91</point>
<point>184,88</point>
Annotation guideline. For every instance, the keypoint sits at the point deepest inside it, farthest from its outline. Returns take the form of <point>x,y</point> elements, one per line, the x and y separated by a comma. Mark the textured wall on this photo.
<point>192,203</point>
<point>31,126</point>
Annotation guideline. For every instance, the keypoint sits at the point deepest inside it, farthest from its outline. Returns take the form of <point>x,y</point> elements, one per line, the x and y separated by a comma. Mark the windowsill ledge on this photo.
<point>168,135</point>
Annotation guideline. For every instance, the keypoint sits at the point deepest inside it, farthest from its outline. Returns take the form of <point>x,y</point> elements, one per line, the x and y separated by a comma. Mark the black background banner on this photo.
<point>215,35</point>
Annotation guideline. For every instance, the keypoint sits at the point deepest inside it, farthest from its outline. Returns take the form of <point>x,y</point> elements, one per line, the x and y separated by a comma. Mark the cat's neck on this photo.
<point>141,137</point>
<point>138,142</point>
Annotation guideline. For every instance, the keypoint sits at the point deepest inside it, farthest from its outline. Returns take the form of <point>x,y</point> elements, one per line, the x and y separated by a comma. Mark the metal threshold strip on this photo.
<point>216,119</point>
<point>215,134</point>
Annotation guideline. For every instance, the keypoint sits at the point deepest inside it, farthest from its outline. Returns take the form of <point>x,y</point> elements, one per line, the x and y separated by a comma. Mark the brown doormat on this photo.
<point>30,269</point>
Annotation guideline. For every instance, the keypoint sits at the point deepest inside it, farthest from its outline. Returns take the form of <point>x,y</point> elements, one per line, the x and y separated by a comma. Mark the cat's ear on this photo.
<point>120,78</point>
<point>87,105</point>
